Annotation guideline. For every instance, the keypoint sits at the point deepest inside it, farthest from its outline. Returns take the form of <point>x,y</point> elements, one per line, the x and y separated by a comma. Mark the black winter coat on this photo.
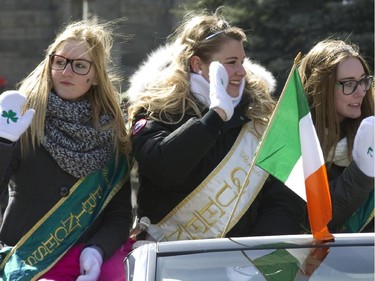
<point>174,159</point>
<point>37,183</point>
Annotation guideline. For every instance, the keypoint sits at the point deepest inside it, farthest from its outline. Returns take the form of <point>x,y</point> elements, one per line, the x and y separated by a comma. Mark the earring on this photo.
<point>200,72</point>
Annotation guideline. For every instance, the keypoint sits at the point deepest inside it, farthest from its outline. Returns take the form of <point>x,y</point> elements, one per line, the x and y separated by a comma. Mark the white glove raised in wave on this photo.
<point>363,147</point>
<point>12,123</point>
<point>90,263</point>
<point>219,97</point>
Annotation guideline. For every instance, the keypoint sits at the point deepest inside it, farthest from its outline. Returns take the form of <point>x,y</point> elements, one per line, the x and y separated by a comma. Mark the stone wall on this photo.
<point>27,27</point>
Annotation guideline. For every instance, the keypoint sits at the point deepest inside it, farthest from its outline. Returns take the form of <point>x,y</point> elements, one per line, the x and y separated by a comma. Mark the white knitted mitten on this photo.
<point>363,148</point>
<point>218,89</point>
<point>12,123</point>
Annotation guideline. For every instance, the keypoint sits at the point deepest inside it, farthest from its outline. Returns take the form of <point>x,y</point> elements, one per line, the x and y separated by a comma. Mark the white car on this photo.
<point>268,258</point>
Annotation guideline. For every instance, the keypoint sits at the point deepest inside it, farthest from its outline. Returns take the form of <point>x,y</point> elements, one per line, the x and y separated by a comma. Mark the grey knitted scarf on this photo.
<point>77,147</point>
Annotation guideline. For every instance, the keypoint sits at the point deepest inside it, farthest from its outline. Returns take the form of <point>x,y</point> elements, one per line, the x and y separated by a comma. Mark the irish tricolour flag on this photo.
<point>291,152</point>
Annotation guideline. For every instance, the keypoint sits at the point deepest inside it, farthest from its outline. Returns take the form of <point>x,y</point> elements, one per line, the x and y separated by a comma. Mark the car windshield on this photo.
<point>321,263</point>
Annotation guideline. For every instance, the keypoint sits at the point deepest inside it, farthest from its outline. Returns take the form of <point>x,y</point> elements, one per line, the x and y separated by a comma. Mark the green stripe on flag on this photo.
<point>281,148</point>
<point>303,107</point>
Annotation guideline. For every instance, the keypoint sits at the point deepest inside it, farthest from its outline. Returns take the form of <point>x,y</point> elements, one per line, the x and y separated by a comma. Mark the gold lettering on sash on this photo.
<point>224,196</point>
<point>90,204</point>
<point>64,232</point>
<point>51,243</point>
<point>98,193</point>
<point>209,215</point>
<point>204,219</point>
<point>211,212</point>
<point>72,222</point>
<point>40,253</point>
<point>238,175</point>
<point>64,229</point>
<point>179,234</point>
<point>79,215</point>
<point>30,261</point>
<point>201,221</point>
<point>246,159</point>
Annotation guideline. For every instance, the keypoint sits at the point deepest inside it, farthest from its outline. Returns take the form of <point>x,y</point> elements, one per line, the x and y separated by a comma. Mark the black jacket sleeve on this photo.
<point>7,164</point>
<point>348,190</point>
<point>159,148</point>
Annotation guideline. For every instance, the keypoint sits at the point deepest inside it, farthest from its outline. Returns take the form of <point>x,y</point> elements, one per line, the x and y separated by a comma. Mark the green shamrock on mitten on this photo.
<point>10,115</point>
<point>13,121</point>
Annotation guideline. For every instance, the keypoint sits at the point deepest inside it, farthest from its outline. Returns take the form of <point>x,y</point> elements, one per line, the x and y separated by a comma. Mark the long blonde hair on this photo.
<point>103,97</point>
<point>318,70</point>
<point>169,95</point>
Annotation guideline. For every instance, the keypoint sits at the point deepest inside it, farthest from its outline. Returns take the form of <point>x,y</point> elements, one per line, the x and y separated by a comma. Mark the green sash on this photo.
<point>61,227</point>
<point>361,217</point>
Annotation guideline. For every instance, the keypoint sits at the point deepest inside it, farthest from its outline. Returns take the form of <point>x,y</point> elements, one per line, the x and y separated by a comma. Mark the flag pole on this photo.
<point>295,62</point>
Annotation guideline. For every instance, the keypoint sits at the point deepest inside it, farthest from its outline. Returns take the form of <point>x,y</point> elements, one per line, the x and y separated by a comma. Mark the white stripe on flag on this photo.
<point>311,153</point>
<point>296,180</point>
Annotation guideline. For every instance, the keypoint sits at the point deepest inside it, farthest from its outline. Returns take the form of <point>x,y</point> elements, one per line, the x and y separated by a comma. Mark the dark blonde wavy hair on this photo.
<point>318,70</point>
<point>103,97</point>
<point>169,95</point>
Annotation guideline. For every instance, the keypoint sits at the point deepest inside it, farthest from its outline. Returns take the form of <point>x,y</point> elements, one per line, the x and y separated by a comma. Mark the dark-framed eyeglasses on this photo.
<point>349,86</point>
<point>79,66</point>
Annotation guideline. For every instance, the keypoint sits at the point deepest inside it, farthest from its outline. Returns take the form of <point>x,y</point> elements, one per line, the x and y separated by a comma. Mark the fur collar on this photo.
<point>159,62</point>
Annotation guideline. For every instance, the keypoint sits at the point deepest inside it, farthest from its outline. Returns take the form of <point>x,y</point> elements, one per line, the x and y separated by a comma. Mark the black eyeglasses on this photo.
<point>79,66</point>
<point>349,87</point>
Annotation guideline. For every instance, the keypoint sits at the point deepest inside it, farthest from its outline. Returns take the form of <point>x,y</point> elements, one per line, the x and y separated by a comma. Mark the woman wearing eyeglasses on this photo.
<point>64,154</point>
<point>338,85</point>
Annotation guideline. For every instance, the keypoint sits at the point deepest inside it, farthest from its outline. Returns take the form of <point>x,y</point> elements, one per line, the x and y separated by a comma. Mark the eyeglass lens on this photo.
<point>79,66</point>
<point>350,86</point>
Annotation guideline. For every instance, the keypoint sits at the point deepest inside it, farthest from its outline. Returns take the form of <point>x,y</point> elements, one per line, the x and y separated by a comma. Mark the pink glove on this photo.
<point>12,123</point>
<point>218,89</point>
<point>363,147</point>
<point>90,262</point>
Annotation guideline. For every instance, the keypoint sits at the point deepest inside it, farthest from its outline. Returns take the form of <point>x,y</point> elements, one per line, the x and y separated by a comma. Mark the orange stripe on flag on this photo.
<point>317,191</point>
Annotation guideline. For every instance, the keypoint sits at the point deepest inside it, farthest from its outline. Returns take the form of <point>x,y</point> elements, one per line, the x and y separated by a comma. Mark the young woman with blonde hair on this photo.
<point>63,144</point>
<point>198,108</point>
